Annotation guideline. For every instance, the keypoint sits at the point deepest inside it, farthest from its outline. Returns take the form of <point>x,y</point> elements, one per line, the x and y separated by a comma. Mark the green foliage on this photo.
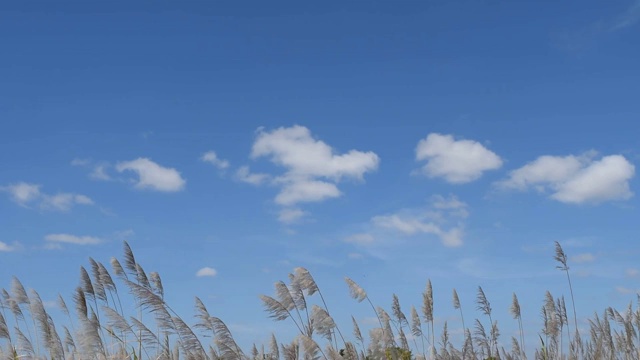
<point>396,353</point>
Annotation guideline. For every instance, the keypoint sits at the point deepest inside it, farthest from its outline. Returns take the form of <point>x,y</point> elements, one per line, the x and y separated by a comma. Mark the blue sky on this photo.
<point>391,142</point>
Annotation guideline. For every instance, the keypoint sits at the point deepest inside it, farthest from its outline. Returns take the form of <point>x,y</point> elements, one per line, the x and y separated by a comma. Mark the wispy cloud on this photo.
<point>152,175</point>
<point>583,258</point>
<point>442,218</point>
<point>456,161</point>
<point>575,179</point>
<point>26,195</point>
<point>98,169</point>
<point>628,18</point>
<point>4,247</point>
<point>72,239</point>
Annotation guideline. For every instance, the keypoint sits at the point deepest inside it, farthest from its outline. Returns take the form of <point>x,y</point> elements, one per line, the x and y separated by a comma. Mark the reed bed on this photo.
<point>99,327</point>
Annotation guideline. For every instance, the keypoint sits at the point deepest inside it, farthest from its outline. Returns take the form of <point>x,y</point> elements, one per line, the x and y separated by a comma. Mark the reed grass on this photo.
<point>98,326</point>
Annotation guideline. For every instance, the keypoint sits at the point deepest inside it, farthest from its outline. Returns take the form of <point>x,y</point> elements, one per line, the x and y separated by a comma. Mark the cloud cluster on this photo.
<point>575,179</point>
<point>26,195</point>
<point>456,161</point>
<point>312,168</point>
<point>153,176</point>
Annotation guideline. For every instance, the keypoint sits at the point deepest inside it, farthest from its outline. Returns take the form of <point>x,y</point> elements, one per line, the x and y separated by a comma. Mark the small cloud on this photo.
<point>631,272</point>
<point>290,215</point>
<point>72,239</point>
<point>4,247</point>
<point>212,158</point>
<point>355,256</point>
<point>206,271</point>
<point>22,193</point>
<point>575,179</point>
<point>583,258</point>
<point>99,172</point>
<point>245,175</point>
<point>457,161</point>
<point>153,176</point>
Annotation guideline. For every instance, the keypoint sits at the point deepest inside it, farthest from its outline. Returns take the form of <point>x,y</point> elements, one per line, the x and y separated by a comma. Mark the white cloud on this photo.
<point>442,219</point>
<point>355,256</point>
<point>153,176</point>
<point>457,161</point>
<point>306,191</point>
<point>583,258</point>
<point>312,168</point>
<point>206,271</point>
<point>99,172</point>
<point>72,239</point>
<point>290,215</point>
<point>303,156</point>
<point>575,179</point>
<point>25,194</point>
<point>212,158</point>
<point>245,175</point>
<point>4,247</point>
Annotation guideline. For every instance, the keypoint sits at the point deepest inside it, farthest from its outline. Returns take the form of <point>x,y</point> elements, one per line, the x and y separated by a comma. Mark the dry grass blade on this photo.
<point>483,303</point>
<point>322,321</point>
<point>156,282</point>
<point>356,330</point>
<point>129,259</point>
<point>81,303</point>
<point>355,290</point>
<point>24,345</point>
<point>310,348</point>
<point>225,342</point>
<point>306,281</point>
<point>85,282</point>
<point>4,329</point>
<point>276,310</point>
<point>97,280</point>
<point>116,320</point>
<point>188,339</point>
<point>397,311</point>
<point>456,300</point>
<point>204,319</point>
<point>19,294</point>
<point>273,347</point>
